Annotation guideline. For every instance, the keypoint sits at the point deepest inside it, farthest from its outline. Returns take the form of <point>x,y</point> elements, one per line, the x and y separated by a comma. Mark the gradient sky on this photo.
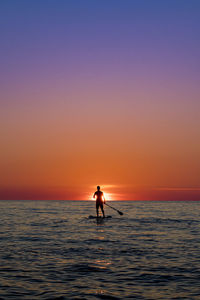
<point>103,92</point>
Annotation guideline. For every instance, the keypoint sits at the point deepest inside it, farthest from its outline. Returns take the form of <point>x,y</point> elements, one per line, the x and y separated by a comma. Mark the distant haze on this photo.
<point>100,93</point>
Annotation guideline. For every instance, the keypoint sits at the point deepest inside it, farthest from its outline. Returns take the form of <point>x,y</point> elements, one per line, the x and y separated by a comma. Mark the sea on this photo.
<point>53,250</point>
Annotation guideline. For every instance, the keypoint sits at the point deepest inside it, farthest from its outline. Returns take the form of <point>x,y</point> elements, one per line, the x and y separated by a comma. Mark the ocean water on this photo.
<point>52,250</point>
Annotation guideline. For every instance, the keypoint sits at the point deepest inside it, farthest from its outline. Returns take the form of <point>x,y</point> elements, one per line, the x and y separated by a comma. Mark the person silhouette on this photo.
<point>100,200</point>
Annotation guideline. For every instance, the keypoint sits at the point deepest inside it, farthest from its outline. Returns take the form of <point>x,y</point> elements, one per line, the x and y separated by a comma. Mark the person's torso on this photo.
<point>99,196</point>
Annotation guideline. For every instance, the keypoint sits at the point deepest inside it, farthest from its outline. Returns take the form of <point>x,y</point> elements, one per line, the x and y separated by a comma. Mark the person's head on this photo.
<point>98,188</point>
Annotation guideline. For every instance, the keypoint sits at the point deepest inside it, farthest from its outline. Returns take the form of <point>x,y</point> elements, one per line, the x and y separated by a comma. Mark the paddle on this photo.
<point>119,212</point>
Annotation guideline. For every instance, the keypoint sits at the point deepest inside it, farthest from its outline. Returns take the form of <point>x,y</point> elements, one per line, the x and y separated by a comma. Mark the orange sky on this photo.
<point>134,154</point>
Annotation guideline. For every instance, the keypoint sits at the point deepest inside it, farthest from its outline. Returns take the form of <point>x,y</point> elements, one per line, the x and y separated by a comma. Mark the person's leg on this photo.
<point>102,210</point>
<point>97,209</point>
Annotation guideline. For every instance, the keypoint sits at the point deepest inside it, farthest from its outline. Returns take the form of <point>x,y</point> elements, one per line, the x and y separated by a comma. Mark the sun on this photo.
<point>107,196</point>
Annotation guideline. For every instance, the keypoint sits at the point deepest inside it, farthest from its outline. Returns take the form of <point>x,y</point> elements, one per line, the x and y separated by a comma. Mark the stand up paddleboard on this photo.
<point>99,218</point>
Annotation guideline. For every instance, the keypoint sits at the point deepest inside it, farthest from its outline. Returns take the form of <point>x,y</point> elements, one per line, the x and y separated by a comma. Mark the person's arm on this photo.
<point>94,196</point>
<point>104,199</point>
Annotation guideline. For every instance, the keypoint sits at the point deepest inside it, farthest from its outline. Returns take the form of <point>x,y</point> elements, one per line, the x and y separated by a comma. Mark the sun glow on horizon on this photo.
<point>108,196</point>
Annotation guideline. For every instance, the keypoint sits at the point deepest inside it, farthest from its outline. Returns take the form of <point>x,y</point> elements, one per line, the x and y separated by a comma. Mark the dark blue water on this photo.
<point>51,250</point>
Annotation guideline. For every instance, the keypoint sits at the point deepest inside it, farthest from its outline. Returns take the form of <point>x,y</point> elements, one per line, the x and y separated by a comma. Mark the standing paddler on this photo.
<point>100,200</point>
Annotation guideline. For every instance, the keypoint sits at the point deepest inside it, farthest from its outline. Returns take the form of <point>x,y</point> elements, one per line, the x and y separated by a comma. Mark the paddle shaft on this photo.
<point>119,212</point>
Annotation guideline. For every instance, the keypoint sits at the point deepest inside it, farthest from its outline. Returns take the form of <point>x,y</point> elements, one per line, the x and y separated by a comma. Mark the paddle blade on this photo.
<point>119,212</point>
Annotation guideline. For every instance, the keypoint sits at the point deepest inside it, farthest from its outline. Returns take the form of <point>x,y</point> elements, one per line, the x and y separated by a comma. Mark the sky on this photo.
<point>103,92</point>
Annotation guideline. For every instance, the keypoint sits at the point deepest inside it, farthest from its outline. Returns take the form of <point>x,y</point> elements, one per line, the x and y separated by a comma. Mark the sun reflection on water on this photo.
<point>102,263</point>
